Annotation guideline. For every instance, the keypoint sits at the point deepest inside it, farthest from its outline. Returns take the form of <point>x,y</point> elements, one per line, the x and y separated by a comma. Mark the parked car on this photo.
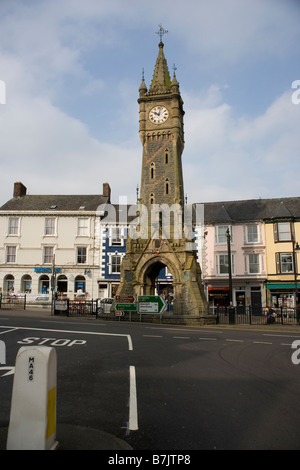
<point>104,305</point>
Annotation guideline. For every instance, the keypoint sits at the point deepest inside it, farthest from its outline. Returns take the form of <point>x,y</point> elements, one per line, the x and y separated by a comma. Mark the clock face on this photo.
<point>158,114</point>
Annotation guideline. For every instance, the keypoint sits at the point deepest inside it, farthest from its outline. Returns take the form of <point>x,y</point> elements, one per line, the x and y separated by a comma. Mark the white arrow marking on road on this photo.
<point>11,371</point>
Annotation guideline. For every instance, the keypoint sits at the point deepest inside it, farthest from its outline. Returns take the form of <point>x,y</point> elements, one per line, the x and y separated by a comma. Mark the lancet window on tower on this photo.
<point>152,171</point>
<point>151,199</point>
<point>166,156</point>
<point>167,186</point>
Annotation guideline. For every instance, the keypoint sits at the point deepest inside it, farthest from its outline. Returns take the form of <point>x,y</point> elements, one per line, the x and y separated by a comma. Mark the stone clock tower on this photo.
<point>162,244</point>
<point>161,133</point>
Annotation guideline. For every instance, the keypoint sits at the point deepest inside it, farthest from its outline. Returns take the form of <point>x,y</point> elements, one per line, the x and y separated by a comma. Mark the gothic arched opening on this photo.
<point>158,280</point>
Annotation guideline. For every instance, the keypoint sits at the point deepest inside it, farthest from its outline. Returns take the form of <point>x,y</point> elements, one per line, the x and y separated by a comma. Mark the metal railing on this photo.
<point>256,316</point>
<point>13,301</point>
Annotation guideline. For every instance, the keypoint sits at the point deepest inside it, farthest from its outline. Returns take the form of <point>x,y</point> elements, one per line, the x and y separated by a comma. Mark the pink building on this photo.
<point>244,219</point>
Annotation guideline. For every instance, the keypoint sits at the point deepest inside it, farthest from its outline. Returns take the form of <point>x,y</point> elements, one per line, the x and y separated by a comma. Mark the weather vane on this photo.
<point>161,32</point>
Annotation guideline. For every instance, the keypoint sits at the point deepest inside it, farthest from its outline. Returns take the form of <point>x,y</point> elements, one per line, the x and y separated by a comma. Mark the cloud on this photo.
<point>72,73</point>
<point>236,157</point>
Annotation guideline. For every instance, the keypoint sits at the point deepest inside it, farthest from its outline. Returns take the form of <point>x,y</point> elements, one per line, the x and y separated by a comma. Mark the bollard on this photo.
<point>32,423</point>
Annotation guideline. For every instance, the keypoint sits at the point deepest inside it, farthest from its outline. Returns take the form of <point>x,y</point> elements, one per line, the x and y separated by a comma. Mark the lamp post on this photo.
<point>228,236</point>
<point>296,247</point>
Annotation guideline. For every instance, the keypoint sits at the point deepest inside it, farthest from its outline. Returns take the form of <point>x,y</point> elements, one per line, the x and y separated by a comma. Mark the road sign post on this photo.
<point>125,307</point>
<point>151,304</point>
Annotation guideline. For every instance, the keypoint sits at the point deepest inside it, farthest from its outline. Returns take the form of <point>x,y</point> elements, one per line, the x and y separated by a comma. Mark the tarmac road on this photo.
<point>195,388</point>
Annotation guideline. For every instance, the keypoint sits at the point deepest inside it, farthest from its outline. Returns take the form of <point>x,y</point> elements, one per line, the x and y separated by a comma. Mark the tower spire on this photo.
<point>161,81</point>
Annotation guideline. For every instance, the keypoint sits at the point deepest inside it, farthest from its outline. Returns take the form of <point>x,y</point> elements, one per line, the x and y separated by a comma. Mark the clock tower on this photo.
<point>159,245</point>
<point>161,133</point>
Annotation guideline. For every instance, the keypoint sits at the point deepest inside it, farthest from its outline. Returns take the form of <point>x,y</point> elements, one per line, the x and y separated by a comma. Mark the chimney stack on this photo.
<point>106,191</point>
<point>19,189</point>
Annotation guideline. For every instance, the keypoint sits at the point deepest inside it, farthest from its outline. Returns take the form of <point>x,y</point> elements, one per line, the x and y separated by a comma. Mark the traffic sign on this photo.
<point>151,304</point>
<point>125,299</point>
<point>127,307</point>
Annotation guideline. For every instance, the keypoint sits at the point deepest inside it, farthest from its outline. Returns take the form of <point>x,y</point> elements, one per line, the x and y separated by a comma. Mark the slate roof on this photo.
<point>225,212</point>
<point>251,210</point>
<point>54,202</point>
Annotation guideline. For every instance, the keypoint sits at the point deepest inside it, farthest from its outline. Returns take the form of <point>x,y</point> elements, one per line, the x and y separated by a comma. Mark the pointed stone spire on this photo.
<point>143,87</point>
<point>161,82</point>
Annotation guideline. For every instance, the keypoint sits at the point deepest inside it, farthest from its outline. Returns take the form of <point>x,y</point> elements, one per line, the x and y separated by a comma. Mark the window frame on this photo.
<point>218,264</point>
<point>47,256</point>
<point>52,220</point>
<point>13,254</point>
<point>277,232</point>
<point>218,239</point>
<point>82,256</point>
<point>279,262</point>
<point>251,235</point>
<point>10,226</point>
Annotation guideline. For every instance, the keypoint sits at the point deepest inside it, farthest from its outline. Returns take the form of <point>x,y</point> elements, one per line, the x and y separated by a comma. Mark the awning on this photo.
<point>282,286</point>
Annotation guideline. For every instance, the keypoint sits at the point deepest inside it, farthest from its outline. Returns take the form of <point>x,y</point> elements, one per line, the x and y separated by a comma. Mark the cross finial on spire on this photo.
<point>161,32</point>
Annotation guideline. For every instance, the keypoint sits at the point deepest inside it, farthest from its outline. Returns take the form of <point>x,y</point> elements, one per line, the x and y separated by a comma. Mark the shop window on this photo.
<point>9,282</point>
<point>284,263</point>
<point>62,284</point>
<point>26,284</point>
<point>44,284</point>
<point>282,232</point>
<point>80,285</point>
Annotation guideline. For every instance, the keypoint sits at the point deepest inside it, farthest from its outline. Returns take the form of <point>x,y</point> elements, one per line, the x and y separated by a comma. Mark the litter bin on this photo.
<point>231,316</point>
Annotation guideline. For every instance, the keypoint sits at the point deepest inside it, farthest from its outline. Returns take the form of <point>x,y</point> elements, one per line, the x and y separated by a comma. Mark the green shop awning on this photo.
<point>282,286</point>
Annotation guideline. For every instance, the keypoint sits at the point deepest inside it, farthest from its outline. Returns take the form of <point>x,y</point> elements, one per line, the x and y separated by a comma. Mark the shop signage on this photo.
<point>47,270</point>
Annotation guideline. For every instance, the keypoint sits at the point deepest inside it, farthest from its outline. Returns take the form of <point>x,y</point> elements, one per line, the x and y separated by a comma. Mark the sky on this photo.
<point>69,78</point>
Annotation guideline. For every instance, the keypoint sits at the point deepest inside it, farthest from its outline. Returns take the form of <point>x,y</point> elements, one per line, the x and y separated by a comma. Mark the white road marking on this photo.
<point>130,346</point>
<point>261,342</point>
<point>153,336</point>
<point>235,340</point>
<point>8,331</point>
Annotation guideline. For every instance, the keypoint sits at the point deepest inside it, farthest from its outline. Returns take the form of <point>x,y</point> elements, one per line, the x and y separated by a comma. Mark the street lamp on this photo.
<point>228,236</point>
<point>296,247</point>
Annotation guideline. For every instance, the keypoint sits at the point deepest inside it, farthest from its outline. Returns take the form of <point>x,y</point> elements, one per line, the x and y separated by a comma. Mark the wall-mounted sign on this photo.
<point>46,270</point>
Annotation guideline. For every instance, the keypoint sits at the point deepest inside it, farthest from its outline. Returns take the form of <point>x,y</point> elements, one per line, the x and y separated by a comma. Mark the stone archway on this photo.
<point>149,276</point>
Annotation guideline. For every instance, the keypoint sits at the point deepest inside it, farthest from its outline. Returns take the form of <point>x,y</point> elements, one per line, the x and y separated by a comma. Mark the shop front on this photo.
<point>219,296</point>
<point>281,294</point>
